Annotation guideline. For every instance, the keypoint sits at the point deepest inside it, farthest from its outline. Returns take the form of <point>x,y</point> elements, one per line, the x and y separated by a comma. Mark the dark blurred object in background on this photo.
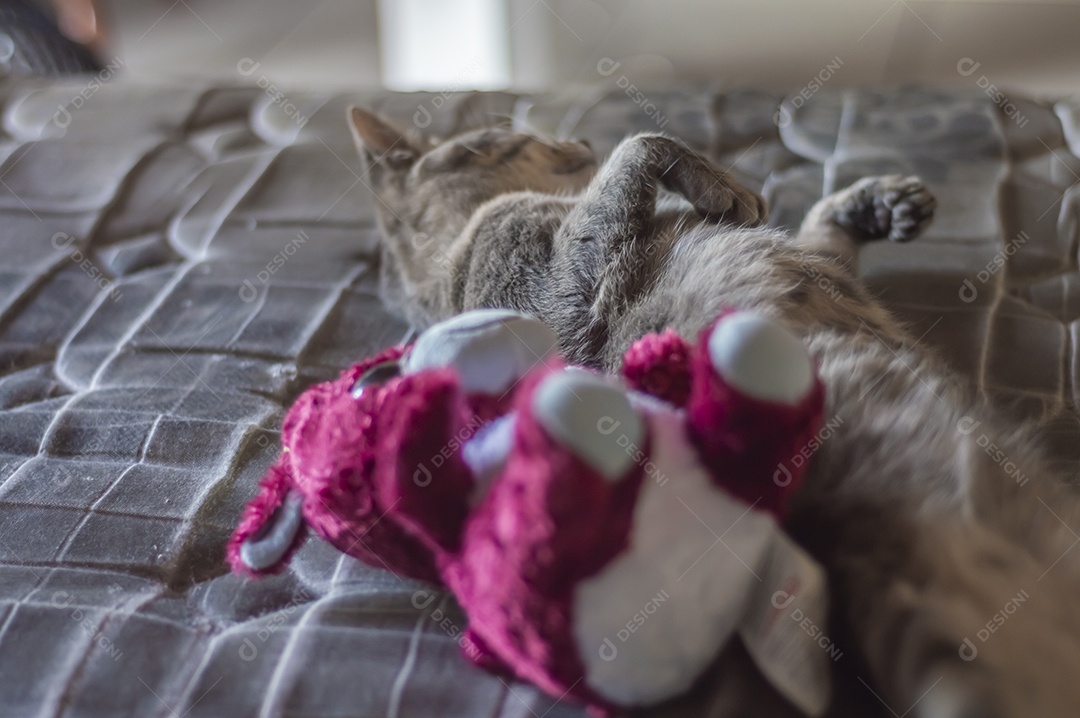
<point>31,41</point>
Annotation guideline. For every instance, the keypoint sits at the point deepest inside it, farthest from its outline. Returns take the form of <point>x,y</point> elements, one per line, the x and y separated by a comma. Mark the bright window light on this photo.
<point>444,45</point>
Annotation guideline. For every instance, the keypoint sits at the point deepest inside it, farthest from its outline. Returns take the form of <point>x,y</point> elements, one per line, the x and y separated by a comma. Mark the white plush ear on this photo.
<point>490,349</point>
<point>761,358</point>
<point>592,417</point>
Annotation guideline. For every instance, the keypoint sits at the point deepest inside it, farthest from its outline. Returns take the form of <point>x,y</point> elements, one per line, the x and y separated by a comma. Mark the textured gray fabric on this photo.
<point>178,263</point>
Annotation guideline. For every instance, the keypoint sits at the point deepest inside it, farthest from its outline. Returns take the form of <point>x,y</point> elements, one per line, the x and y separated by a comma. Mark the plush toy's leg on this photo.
<point>560,511</point>
<point>588,416</point>
<point>272,527</point>
<point>333,435</point>
<point>458,377</point>
<point>760,358</point>
<point>754,408</point>
<point>420,474</point>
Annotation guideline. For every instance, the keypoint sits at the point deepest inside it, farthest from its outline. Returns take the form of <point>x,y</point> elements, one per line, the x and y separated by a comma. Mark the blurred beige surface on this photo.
<point>1022,44</point>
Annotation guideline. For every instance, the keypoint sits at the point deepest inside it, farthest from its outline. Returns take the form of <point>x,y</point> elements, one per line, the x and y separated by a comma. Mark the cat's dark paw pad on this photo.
<point>891,207</point>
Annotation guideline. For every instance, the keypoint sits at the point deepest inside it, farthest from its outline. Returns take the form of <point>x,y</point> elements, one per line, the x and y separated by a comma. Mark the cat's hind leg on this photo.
<point>890,207</point>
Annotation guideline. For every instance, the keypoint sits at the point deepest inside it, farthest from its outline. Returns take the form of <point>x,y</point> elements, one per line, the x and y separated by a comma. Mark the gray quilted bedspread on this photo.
<point>178,263</point>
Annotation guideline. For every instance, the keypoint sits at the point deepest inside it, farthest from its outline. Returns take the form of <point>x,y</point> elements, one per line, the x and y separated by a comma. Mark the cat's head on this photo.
<point>434,186</point>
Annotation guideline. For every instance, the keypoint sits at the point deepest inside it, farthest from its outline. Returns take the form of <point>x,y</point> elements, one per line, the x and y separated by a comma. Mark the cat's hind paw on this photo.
<point>890,207</point>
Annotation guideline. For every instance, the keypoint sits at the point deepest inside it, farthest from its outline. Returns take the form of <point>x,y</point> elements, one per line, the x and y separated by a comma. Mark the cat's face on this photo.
<point>432,186</point>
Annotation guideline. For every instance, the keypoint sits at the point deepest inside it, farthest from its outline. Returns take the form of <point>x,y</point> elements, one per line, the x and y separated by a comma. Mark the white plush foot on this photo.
<point>266,548</point>
<point>489,348</point>
<point>761,358</point>
<point>592,418</point>
<point>486,452</point>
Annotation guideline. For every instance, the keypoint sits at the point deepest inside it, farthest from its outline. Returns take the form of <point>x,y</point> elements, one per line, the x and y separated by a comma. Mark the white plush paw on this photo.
<point>486,452</point>
<point>266,548</point>
<point>591,417</point>
<point>761,358</point>
<point>489,348</point>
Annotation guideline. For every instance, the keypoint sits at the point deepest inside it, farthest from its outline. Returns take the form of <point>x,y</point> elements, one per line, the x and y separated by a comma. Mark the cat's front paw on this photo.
<point>890,207</point>
<point>718,198</point>
<point>722,200</point>
<point>749,208</point>
<point>714,193</point>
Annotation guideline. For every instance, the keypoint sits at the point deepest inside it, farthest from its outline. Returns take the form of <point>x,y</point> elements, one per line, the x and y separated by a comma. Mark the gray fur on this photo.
<point>924,535</point>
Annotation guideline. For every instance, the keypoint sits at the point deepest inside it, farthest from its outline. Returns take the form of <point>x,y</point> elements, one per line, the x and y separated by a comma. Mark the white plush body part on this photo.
<point>489,348</point>
<point>682,585</point>
<point>263,550</point>
<point>592,416</point>
<point>588,413</point>
<point>485,453</point>
<point>761,358</point>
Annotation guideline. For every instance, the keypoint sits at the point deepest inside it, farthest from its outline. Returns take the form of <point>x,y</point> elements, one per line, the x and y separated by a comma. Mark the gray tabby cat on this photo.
<point>925,537</point>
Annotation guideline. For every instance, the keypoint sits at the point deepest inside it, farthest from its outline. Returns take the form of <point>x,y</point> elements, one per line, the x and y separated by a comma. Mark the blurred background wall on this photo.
<point>550,43</point>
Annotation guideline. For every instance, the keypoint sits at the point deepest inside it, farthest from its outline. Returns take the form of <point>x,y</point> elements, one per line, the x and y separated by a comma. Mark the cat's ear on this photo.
<point>378,141</point>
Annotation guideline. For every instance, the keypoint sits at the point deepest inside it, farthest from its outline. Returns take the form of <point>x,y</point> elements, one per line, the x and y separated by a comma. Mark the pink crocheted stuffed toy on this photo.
<point>345,442</point>
<point>555,503</point>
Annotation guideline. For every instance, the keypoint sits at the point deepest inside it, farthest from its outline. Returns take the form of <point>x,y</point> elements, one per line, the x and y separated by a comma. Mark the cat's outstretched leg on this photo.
<point>606,240</point>
<point>890,207</point>
<point>621,199</point>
